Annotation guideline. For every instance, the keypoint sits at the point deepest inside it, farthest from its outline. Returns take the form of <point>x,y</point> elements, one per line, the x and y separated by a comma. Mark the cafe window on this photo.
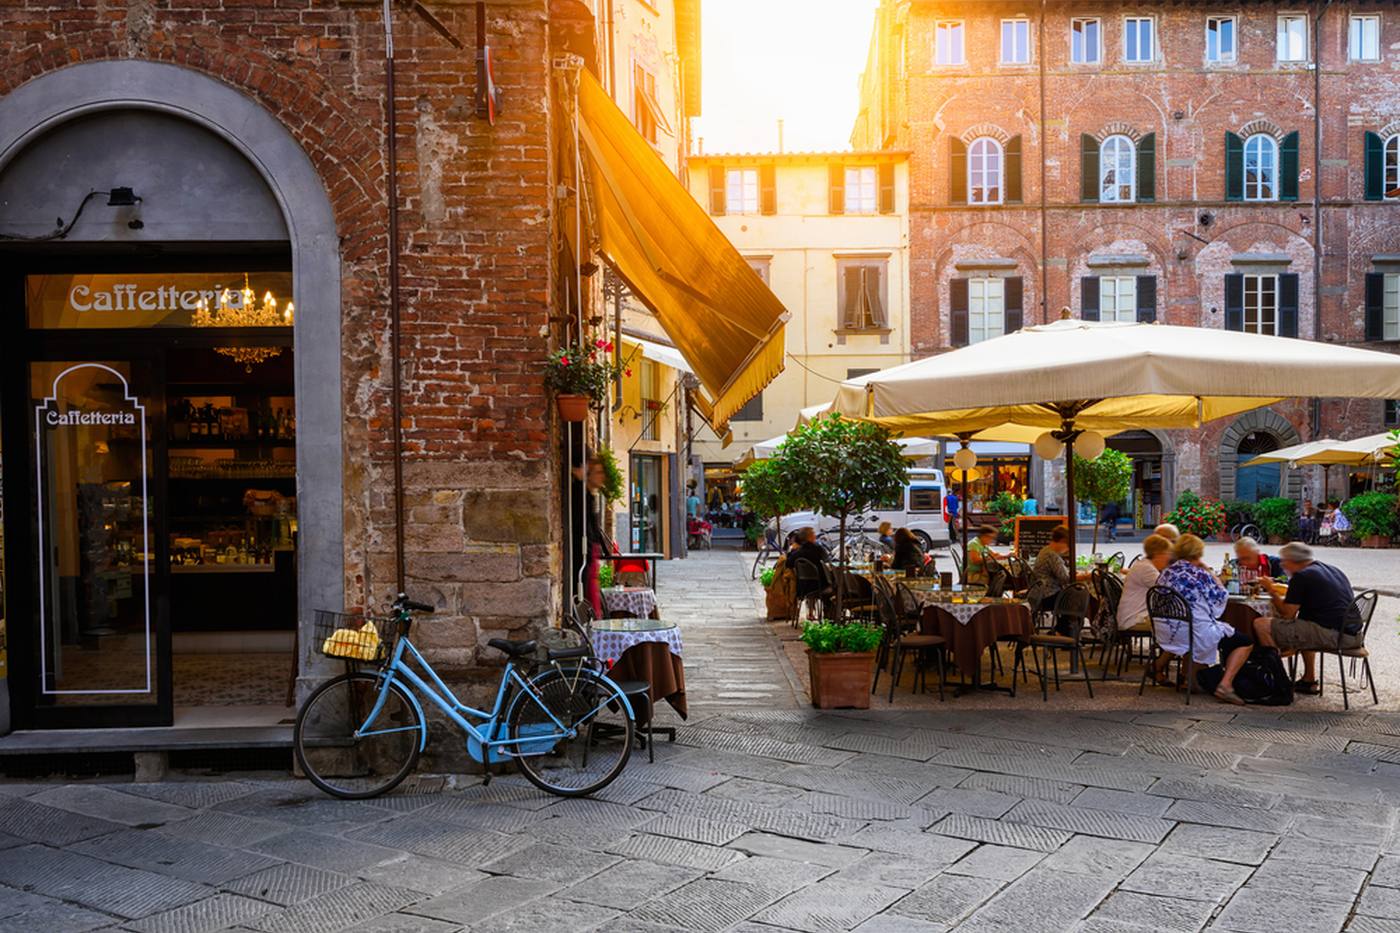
<point>1085,47</point>
<point>994,475</point>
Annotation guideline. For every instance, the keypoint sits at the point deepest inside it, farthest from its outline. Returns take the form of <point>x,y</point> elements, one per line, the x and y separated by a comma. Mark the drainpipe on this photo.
<point>395,356</point>
<point>1044,225</point>
<point>1316,414</point>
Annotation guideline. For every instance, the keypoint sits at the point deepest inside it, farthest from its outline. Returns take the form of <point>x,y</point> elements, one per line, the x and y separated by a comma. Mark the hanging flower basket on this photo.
<point>573,407</point>
<point>580,376</point>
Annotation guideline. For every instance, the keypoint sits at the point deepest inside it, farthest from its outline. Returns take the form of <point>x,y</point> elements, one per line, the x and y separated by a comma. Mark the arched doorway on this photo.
<point>1151,490</point>
<point>1250,435</point>
<point>1260,481</point>
<point>181,466</point>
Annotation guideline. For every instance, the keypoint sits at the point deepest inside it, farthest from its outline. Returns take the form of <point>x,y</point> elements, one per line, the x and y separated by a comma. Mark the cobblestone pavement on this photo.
<point>767,815</point>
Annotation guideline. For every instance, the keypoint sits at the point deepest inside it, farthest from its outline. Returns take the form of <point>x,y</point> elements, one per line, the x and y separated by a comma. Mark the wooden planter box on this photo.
<point>841,680</point>
<point>1376,541</point>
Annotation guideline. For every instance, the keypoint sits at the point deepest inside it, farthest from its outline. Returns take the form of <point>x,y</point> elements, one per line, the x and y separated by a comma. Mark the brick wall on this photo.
<point>477,269</point>
<point>1189,106</point>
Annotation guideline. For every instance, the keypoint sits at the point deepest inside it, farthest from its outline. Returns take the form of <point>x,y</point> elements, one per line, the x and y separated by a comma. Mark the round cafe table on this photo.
<point>1240,611</point>
<point>971,628</point>
<point>644,649</point>
<point>638,602</point>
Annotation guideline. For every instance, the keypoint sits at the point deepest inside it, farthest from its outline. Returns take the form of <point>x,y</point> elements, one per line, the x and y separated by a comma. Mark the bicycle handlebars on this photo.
<point>403,602</point>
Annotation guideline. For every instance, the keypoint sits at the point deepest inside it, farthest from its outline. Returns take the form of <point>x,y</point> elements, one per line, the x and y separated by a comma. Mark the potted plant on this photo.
<point>1277,518</point>
<point>767,493</point>
<point>1373,517</point>
<point>579,375</point>
<point>1198,516</point>
<point>841,659</point>
<point>1006,506</point>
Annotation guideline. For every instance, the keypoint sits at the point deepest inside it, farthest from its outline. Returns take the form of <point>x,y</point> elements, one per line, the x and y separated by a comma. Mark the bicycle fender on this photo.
<point>617,691</point>
<point>417,708</point>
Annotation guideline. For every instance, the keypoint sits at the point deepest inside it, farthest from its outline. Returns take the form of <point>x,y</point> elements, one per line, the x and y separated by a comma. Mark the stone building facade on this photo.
<point>1177,162</point>
<point>297,92</point>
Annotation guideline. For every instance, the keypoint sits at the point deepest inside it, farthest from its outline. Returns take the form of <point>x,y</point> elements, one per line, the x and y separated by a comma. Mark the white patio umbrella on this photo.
<point>1077,380</point>
<point>912,447</point>
<point>1362,451</point>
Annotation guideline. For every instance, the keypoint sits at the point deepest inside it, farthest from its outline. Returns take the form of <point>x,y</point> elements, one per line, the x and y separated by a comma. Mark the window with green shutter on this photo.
<point>1288,168</point>
<point>957,171</point>
<point>1088,169</point>
<point>1147,168</point>
<point>1234,167</point>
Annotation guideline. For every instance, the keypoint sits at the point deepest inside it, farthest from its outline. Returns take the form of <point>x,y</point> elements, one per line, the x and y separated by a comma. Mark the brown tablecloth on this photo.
<point>653,662</point>
<point>967,641</point>
<point>1239,613</point>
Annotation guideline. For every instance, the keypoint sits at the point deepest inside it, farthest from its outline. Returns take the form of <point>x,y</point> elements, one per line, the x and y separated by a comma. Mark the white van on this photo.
<point>920,509</point>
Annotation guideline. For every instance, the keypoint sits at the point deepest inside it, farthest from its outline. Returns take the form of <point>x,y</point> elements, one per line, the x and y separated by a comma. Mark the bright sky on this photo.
<point>795,60</point>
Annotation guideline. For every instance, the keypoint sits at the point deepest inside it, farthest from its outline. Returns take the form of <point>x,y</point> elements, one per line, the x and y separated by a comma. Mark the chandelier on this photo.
<point>238,309</point>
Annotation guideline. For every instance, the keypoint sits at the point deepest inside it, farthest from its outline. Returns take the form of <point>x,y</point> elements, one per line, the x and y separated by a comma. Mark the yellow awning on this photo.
<point>710,302</point>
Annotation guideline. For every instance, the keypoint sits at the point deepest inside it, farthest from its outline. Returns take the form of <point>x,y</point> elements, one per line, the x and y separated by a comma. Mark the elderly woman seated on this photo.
<point>1205,598</point>
<point>1141,577</point>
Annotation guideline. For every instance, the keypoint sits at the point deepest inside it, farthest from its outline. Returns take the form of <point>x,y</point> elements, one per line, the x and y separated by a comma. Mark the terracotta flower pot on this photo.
<point>572,407</point>
<point>841,679</point>
<point>1376,541</point>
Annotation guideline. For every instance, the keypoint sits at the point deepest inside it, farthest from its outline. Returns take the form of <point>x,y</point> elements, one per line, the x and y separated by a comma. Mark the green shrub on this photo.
<point>1372,513</point>
<point>1194,515</point>
<point>1277,517</point>
<point>605,574</point>
<point>1006,506</point>
<point>766,578</point>
<point>830,637</point>
<point>1238,512</point>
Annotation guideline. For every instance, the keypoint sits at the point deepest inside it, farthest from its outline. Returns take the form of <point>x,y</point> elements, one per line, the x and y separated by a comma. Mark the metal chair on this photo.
<point>955,553</point>
<point>638,691</point>
<point>897,644</point>
<point>1365,606</point>
<point>1166,605</point>
<point>1019,574</point>
<point>812,579</point>
<point>857,598</point>
<point>1070,613</point>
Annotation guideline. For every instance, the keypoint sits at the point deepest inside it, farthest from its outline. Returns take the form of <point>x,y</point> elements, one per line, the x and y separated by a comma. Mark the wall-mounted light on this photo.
<point>122,197</point>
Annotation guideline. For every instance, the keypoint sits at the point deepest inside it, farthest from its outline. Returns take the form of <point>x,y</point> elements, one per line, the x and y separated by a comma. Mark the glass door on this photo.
<point>100,651</point>
<point>646,504</point>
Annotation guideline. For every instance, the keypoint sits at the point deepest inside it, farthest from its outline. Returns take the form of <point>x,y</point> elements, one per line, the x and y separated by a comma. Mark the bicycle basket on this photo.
<point>353,636</point>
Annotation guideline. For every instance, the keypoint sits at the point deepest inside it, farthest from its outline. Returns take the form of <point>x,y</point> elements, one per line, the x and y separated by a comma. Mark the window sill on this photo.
<point>864,331</point>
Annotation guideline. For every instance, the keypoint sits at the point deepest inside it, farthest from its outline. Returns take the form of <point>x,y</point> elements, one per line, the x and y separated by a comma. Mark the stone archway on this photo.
<point>38,107</point>
<point>1263,420</point>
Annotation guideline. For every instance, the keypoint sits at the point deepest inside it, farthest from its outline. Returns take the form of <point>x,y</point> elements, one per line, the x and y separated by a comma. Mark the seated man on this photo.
<point>908,556</point>
<point>1251,559</point>
<point>1141,577</point>
<point>1316,612</point>
<point>981,569</point>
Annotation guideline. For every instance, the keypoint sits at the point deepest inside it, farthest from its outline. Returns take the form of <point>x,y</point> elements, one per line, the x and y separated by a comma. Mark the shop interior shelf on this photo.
<point>218,444</point>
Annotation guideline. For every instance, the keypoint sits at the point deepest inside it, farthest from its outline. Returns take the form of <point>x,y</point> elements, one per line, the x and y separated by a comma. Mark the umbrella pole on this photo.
<point>962,510</point>
<point>1071,517</point>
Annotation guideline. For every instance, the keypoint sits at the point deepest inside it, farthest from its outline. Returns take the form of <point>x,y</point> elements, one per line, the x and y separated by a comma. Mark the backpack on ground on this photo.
<point>1262,681</point>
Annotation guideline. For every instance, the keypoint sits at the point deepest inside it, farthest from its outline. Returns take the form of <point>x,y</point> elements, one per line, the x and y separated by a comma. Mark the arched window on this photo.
<point>1392,169</point>
<point>1260,168</point>
<point>1117,170</point>
<point>984,172</point>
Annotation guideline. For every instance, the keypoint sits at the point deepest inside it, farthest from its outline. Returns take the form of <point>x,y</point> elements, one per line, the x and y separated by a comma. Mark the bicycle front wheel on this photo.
<point>348,757</point>
<point>585,704</point>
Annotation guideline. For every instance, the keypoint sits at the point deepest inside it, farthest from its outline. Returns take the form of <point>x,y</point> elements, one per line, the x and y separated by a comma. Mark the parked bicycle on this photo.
<point>1246,530</point>
<point>567,727</point>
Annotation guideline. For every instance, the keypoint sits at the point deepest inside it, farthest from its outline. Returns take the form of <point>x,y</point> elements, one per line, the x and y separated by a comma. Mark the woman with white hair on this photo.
<point>1205,598</point>
<point>1168,531</point>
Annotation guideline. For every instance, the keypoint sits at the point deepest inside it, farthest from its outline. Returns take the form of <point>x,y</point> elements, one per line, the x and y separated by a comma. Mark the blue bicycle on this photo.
<point>568,728</point>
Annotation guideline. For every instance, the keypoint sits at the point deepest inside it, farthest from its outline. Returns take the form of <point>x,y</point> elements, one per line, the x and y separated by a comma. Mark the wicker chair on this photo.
<point>1167,605</point>
<point>1070,611</point>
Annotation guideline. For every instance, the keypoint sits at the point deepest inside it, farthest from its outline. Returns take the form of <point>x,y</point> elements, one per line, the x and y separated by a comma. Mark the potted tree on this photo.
<point>1373,517</point>
<point>1102,480</point>
<point>841,660</point>
<point>1277,518</point>
<point>842,467</point>
<point>579,375</point>
<point>767,494</point>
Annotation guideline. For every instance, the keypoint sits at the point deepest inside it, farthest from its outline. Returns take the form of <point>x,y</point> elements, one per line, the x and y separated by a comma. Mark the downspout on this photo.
<point>1316,414</point>
<point>395,359</point>
<point>1044,223</point>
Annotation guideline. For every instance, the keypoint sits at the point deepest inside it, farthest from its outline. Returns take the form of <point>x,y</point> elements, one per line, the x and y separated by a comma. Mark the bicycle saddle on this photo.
<point>516,649</point>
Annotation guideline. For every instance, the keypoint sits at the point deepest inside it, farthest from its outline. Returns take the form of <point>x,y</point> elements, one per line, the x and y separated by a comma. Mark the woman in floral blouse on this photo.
<point>1190,577</point>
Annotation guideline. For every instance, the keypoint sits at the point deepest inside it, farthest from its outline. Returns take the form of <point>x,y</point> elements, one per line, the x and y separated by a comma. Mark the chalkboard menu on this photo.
<point>1033,533</point>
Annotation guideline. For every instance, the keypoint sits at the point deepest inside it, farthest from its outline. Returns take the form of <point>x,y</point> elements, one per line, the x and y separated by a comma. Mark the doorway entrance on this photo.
<point>148,419</point>
<point>1253,483</point>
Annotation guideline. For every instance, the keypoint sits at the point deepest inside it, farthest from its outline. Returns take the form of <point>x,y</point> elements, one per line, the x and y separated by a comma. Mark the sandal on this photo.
<point>1228,695</point>
<point>1309,688</point>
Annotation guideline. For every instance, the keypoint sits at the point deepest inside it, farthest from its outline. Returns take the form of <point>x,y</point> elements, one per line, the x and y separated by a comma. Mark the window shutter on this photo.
<point>872,278</point>
<point>1089,298</point>
<point>768,189</point>
<point>851,281</point>
<point>1146,299</point>
<point>1375,167</point>
<point>1088,168</point>
<point>887,188</point>
<point>1375,306</point>
<point>957,317</point>
<point>1288,167</point>
<point>1234,168</point>
<point>717,199</point>
<point>1234,302</point>
<point>1013,170</point>
<point>836,189</point>
<point>957,171</point>
<point>1147,168</point>
<point>1288,304</point>
<point>1015,316</point>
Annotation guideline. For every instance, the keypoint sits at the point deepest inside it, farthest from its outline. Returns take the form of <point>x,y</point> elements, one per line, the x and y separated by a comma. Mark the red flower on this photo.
<point>608,346</point>
<point>563,361</point>
<point>627,372</point>
<point>599,342</point>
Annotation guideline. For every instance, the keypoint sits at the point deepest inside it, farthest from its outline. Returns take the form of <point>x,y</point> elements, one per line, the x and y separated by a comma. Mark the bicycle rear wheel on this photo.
<point>346,760</point>
<point>581,701</point>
